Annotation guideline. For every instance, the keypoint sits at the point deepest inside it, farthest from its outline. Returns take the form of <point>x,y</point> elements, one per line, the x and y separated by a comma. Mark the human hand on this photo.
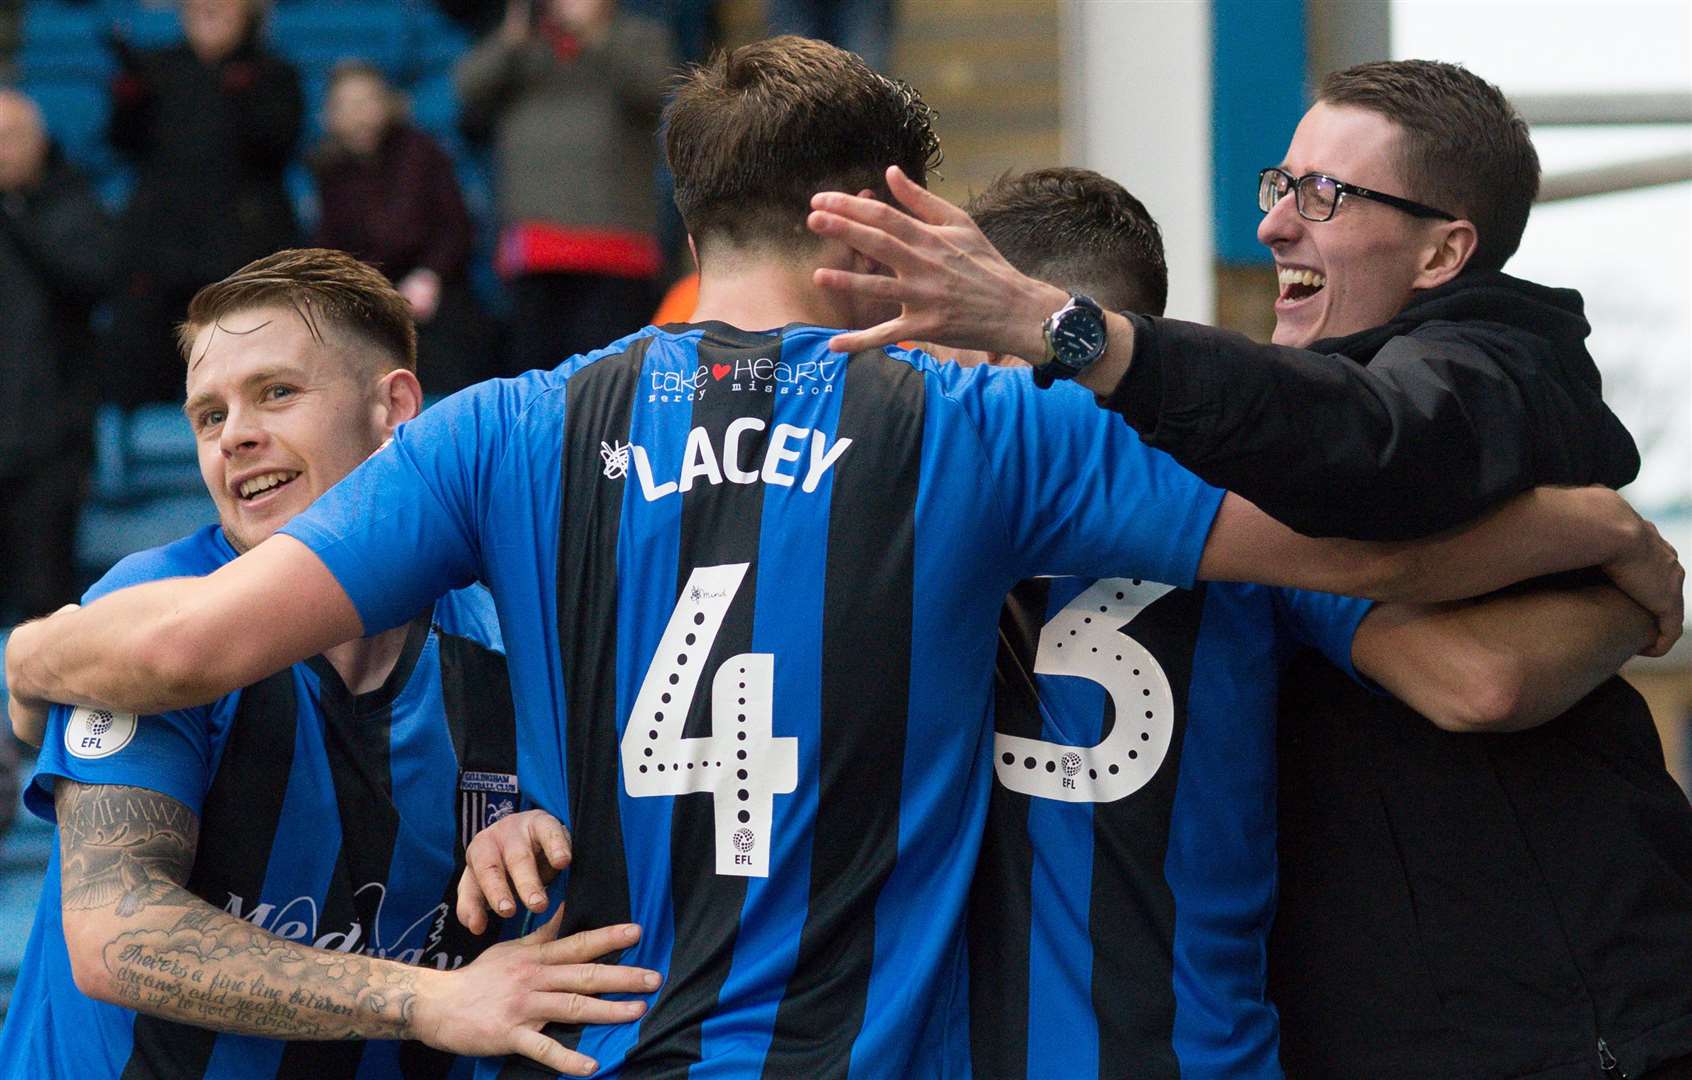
<point>1650,573</point>
<point>499,1003</point>
<point>501,861</point>
<point>952,286</point>
<point>28,714</point>
<point>422,290</point>
<point>29,718</point>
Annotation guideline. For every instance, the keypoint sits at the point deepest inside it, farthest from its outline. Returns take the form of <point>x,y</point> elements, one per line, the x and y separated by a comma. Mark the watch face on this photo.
<point>1079,337</point>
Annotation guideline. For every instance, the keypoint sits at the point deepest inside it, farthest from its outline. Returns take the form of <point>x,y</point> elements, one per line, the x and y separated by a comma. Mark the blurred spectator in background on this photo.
<point>570,91</point>
<point>57,250</point>
<point>210,125</point>
<point>861,26</point>
<point>389,196</point>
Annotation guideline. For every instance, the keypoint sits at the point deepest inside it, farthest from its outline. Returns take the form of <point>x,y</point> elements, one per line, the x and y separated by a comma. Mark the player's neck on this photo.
<point>752,295</point>
<point>364,665</point>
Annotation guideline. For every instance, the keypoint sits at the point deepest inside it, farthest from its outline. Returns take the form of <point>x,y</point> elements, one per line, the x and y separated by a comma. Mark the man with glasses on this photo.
<point>1450,905</point>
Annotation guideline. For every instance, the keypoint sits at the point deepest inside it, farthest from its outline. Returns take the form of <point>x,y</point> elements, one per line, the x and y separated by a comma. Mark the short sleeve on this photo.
<point>1324,622</point>
<point>405,527</point>
<point>1080,492</point>
<point>170,753</point>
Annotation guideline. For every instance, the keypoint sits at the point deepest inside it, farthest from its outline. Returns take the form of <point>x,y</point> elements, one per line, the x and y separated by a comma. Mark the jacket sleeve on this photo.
<point>1443,423</point>
<point>484,78</point>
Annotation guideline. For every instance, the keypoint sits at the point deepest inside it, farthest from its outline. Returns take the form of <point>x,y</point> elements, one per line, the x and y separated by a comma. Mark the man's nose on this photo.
<point>1281,225</point>
<point>240,430</point>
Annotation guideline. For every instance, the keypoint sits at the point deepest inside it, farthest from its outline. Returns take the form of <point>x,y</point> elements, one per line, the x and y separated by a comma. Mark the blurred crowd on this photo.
<point>562,98</point>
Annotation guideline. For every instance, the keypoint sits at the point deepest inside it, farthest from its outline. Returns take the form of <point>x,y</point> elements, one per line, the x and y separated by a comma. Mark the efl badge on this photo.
<point>98,733</point>
<point>483,798</point>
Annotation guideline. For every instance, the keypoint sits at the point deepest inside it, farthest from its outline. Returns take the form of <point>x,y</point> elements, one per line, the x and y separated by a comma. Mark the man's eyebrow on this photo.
<point>192,405</point>
<point>282,371</point>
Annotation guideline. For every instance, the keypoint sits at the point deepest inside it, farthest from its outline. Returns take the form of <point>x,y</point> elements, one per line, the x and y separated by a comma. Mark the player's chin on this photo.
<point>247,531</point>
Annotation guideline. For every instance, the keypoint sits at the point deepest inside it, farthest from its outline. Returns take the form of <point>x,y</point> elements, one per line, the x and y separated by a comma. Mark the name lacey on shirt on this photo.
<point>784,451</point>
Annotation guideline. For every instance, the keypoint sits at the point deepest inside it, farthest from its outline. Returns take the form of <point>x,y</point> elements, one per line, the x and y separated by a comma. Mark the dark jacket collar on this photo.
<point>1488,296</point>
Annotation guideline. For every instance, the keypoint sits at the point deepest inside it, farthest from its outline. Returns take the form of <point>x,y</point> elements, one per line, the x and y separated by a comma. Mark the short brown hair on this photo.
<point>1465,148</point>
<point>322,286</point>
<point>754,132</point>
<point>1080,231</point>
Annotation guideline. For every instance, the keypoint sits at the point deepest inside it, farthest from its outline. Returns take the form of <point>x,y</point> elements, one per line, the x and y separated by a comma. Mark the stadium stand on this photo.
<point>145,487</point>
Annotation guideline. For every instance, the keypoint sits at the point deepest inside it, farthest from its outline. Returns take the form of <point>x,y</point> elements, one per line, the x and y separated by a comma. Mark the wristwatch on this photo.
<point>1075,337</point>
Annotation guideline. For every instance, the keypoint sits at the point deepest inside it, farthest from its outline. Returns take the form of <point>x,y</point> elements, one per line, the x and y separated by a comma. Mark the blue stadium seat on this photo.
<point>436,41</point>
<point>158,433</point>
<point>316,35</point>
<point>146,26</point>
<point>75,113</point>
<point>146,454</point>
<point>64,42</point>
<point>434,108</point>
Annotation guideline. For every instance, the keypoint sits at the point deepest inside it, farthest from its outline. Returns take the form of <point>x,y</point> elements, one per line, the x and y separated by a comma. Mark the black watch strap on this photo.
<point>1075,337</point>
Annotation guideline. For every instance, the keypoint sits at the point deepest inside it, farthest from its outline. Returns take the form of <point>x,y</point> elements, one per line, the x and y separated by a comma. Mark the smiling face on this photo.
<point>278,416</point>
<point>1357,269</point>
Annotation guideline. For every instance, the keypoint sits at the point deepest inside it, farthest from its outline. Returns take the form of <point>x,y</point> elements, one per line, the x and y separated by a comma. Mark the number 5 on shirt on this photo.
<point>741,764</point>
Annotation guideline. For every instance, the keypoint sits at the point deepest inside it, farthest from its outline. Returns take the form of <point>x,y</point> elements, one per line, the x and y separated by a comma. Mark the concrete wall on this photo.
<point>1136,107</point>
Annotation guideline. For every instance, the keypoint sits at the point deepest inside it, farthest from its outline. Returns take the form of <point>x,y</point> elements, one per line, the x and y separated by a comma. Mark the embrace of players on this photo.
<point>729,604</point>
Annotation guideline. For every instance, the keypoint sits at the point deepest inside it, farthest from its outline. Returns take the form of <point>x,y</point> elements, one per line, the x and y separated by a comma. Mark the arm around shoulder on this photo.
<point>1544,531</point>
<point>184,641</point>
<point>1503,664</point>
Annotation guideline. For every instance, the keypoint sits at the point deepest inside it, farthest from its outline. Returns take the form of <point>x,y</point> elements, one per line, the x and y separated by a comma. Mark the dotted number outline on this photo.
<point>741,764</point>
<point>1084,640</point>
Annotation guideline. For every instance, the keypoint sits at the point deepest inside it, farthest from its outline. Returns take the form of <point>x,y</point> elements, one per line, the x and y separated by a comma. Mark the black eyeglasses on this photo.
<point>1317,197</point>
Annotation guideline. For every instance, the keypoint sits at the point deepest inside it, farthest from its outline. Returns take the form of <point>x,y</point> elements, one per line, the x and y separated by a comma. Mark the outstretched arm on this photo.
<point>1432,432</point>
<point>182,641</point>
<point>1544,531</point>
<point>138,938</point>
<point>1503,664</point>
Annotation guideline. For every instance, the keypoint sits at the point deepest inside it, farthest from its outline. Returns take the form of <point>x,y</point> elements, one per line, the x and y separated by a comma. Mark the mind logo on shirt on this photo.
<point>98,733</point>
<point>616,457</point>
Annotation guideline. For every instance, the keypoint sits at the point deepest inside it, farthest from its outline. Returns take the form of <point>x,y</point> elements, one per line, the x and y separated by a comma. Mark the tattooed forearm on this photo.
<point>121,847</point>
<point>217,971</point>
<point>140,939</point>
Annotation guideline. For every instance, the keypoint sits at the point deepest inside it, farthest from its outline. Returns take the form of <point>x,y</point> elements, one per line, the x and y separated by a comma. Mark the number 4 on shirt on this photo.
<point>741,764</point>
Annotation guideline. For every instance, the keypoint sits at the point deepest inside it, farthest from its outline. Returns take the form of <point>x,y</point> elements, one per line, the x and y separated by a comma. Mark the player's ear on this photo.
<point>399,397</point>
<point>693,249</point>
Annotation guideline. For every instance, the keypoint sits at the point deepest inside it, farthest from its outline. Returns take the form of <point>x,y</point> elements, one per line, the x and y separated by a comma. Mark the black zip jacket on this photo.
<point>1451,906</point>
<point>1476,391</point>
